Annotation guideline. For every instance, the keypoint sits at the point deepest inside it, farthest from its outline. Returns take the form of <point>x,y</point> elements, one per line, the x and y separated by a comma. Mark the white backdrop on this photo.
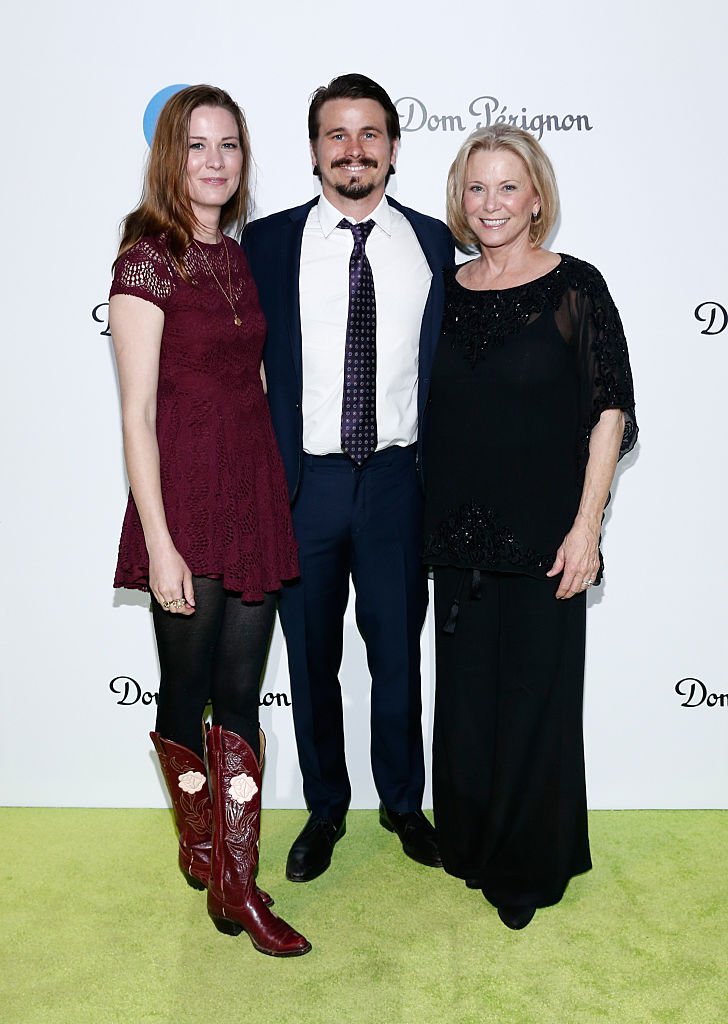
<point>628,99</point>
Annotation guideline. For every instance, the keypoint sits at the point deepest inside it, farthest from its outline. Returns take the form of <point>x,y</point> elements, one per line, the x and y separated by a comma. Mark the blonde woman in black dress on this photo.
<point>531,407</point>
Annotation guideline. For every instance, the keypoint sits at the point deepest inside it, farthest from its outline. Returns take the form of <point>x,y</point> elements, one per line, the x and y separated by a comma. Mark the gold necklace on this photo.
<point>229,294</point>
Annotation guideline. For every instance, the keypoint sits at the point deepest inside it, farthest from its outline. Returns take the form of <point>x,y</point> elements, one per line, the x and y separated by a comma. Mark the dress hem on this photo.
<point>550,900</point>
<point>246,595</point>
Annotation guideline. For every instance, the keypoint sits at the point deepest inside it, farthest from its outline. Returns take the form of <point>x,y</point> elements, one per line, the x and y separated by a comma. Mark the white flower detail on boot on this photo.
<point>242,788</point>
<point>191,782</point>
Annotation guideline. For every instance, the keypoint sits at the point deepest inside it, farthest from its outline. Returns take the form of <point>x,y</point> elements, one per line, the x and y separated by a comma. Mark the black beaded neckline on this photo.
<point>474,320</point>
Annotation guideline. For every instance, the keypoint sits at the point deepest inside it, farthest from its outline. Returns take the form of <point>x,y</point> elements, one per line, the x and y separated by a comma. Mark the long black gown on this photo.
<point>520,378</point>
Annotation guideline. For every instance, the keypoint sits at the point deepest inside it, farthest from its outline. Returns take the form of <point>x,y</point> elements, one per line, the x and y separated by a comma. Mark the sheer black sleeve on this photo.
<point>589,319</point>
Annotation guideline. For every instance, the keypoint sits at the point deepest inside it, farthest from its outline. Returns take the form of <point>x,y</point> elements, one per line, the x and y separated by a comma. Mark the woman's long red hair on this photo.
<point>165,207</point>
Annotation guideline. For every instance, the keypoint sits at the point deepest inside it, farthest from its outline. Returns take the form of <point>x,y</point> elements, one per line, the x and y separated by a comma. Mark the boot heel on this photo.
<point>194,883</point>
<point>185,776</point>
<point>227,927</point>
<point>233,902</point>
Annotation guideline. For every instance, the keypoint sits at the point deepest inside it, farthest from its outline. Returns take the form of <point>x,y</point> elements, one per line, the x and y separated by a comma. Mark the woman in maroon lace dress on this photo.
<point>531,405</point>
<point>207,527</point>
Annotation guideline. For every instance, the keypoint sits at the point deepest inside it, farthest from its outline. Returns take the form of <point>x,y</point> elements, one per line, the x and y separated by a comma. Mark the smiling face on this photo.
<point>214,162</point>
<point>353,153</point>
<point>499,198</point>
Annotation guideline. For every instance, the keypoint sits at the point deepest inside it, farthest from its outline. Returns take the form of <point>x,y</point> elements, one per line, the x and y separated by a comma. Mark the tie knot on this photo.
<point>360,231</point>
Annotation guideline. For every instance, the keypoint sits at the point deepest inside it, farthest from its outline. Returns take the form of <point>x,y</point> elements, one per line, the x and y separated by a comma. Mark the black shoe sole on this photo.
<point>309,876</point>
<point>428,862</point>
<point>516,918</point>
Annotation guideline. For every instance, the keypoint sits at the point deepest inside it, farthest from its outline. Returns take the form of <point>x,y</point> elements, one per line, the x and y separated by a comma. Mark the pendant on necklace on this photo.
<point>238,322</point>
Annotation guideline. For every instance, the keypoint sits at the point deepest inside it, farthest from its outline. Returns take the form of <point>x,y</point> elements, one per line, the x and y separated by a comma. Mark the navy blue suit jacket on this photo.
<point>273,247</point>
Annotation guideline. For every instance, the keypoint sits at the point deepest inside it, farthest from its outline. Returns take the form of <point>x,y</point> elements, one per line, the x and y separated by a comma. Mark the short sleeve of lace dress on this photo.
<point>144,271</point>
<point>588,318</point>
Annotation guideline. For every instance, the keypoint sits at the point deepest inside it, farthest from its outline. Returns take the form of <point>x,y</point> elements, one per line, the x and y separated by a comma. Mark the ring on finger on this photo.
<point>588,583</point>
<point>178,602</point>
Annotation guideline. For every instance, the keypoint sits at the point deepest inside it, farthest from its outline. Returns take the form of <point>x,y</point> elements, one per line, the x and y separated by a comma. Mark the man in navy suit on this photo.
<point>358,520</point>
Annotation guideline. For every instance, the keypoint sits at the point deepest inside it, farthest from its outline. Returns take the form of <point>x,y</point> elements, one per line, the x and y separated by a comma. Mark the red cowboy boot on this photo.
<point>232,900</point>
<point>186,779</point>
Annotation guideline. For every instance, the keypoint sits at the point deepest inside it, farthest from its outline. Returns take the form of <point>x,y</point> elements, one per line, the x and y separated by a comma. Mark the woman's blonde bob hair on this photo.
<point>538,165</point>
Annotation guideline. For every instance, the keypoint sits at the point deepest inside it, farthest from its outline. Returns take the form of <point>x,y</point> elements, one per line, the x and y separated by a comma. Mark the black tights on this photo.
<point>215,655</point>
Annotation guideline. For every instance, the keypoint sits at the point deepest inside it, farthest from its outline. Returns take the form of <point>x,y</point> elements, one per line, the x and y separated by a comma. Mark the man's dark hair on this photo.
<point>352,87</point>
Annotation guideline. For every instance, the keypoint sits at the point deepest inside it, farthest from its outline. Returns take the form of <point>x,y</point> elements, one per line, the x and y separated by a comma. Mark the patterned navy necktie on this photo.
<point>359,404</point>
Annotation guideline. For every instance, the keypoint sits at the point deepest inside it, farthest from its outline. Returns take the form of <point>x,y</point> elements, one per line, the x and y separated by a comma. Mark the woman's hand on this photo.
<point>170,580</point>
<point>577,558</point>
<point>137,327</point>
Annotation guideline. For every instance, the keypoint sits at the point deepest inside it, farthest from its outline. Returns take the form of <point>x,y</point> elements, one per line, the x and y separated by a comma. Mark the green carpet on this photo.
<point>98,926</point>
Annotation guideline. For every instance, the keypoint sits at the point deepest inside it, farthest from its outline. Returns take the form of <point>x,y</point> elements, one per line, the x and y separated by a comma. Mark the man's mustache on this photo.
<point>347,162</point>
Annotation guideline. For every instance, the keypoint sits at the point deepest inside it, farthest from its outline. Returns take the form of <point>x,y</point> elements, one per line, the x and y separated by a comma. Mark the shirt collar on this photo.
<point>330,217</point>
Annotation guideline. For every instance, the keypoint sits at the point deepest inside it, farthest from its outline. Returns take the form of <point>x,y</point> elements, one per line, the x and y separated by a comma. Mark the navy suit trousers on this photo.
<point>362,524</point>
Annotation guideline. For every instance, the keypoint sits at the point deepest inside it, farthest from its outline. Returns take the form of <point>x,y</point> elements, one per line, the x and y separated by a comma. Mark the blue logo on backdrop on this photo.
<point>100,312</point>
<point>154,106</point>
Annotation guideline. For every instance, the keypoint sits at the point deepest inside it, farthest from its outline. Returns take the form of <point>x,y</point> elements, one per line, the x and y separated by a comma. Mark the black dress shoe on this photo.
<point>516,917</point>
<point>416,834</point>
<point>311,853</point>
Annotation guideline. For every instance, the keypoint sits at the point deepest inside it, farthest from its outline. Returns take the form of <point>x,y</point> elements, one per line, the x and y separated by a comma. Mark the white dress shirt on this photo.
<point>401,283</point>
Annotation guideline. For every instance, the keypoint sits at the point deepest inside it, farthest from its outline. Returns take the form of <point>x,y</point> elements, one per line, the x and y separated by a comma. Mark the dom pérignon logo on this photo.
<point>713,315</point>
<point>129,692</point>
<point>100,315</point>
<point>415,115</point>
<point>696,694</point>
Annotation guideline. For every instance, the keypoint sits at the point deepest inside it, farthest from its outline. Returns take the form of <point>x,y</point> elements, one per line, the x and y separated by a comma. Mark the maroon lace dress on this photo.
<point>223,487</point>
